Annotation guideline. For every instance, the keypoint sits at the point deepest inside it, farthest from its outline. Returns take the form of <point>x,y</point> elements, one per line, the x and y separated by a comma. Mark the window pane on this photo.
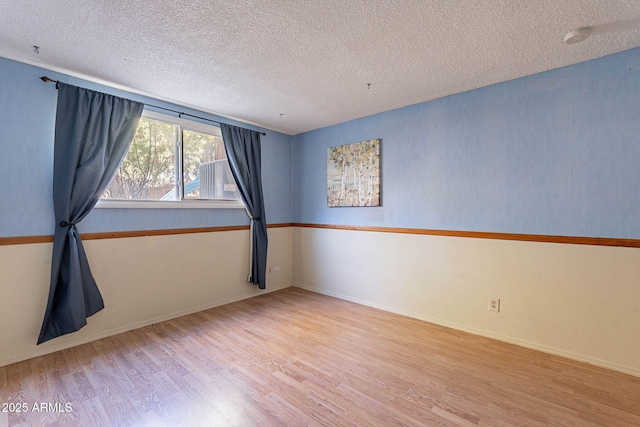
<point>148,171</point>
<point>206,172</point>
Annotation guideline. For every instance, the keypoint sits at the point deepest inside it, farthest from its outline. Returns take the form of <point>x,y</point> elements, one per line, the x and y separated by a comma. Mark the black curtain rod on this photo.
<point>179,113</point>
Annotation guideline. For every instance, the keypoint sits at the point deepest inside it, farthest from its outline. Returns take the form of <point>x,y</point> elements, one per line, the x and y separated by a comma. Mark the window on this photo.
<point>173,162</point>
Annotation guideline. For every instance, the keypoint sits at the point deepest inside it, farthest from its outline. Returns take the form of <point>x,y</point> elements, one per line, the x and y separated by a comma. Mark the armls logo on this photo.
<point>52,407</point>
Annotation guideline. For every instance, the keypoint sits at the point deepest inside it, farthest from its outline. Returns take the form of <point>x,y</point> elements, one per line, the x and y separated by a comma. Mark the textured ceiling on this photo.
<point>298,65</point>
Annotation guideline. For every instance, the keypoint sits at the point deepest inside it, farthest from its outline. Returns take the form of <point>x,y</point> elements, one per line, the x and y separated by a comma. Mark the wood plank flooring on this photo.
<point>296,358</point>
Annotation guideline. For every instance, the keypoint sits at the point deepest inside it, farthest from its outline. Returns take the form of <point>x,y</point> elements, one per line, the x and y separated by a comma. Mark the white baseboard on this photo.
<point>53,347</point>
<point>511,340</point>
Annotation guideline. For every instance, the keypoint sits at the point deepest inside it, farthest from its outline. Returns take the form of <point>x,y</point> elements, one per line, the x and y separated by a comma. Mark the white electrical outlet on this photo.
<point>494,304</point>
<point>276,268</point>
<point>269,270</point>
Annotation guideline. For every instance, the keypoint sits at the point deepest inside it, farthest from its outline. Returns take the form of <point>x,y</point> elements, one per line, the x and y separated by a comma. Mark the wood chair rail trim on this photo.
<point>542,238</point>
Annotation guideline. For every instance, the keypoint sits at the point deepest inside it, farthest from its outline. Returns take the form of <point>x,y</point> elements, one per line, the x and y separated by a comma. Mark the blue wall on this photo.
<point>27,117</point>
<point>554,153</point>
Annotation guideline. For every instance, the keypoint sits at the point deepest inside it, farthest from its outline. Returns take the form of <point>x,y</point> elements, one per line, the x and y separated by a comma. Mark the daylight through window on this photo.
<point>172,159</point>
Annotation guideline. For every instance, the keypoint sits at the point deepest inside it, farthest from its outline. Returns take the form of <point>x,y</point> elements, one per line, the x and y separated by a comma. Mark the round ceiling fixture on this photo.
<point>577,35</point>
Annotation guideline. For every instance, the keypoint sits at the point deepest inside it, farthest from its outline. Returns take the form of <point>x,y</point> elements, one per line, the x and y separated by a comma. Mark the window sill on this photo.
<point>170,204</point>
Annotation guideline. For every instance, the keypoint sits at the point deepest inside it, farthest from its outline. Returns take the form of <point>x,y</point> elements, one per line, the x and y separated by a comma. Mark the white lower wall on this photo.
<point>143,280</point>
<point>582,302</point>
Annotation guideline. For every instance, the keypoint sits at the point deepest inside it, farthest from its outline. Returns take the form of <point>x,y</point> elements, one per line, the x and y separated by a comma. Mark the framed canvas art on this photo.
<point>353,174</point>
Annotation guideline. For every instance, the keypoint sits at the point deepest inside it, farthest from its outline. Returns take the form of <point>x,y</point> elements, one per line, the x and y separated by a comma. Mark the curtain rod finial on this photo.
<point>48,80</point>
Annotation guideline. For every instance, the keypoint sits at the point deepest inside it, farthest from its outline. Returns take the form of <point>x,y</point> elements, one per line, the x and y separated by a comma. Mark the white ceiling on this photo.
<point>298,65</point>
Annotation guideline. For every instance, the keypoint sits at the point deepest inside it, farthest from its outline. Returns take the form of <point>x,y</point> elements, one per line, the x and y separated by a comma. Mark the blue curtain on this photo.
<point>93,133</point>
<point>244,155</point>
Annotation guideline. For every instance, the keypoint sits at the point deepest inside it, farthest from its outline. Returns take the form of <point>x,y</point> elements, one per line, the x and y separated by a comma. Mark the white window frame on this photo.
<point>183,124</point>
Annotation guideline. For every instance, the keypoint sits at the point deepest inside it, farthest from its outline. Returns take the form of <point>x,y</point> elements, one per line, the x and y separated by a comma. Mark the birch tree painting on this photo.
<point>353,174</point>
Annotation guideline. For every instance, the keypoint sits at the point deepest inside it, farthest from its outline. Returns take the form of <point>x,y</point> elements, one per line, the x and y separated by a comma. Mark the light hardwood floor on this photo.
<point>297,358</point>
